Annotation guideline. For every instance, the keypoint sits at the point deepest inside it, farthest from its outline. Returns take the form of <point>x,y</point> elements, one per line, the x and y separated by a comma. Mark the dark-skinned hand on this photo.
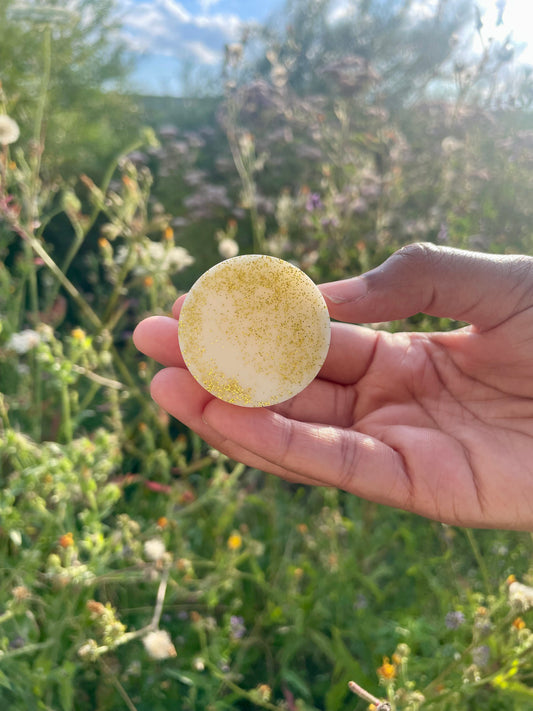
<point>440,424</point>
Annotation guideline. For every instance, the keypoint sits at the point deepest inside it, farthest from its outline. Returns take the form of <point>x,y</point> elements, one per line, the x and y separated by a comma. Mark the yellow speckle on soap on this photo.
<point>254,330</point>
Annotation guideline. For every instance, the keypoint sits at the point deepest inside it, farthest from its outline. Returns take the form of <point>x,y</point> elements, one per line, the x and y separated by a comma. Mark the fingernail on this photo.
<point>345,291</point>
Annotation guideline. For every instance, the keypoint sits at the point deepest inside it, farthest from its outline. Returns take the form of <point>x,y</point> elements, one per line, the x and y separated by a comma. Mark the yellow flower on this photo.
<point>234,542</point>
<point>264,692</point>
<point>387,670</point>
<point>518,623</point>
<point>148,281</point>
<point>78,334</point>
<point>510,579</point>
<point>66,540</point>
<point>162,521</point>
<point>168,234</point>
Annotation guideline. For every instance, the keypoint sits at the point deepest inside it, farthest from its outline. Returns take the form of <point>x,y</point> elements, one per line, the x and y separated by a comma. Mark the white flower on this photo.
<point>24,341</point>
<point>176,258</point>
<point>154,549</point>
<point>159,645</point>
<point>9,130</point>
<point>450,145</point>
<point>520,596</point>
<point>228,248</point>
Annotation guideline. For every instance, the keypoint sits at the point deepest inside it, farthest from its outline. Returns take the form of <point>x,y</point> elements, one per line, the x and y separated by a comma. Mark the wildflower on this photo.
<point>187,497</point>
<point>9,130</point>
<point>97,609</point>
<point>78,334</point>
<point>162,522</point>
<point>88,651</point>
<point>21,592</point>
<point>66,540</point>
<point>159,645</point>
<point>237,628</point>
<point>154,549</point>
<point>234,542</point>
<point>228,248</point>
<point>519,624</point>
<point>168,234</point>
<point>313,202</point>
<point>454,619</point>
<point>176,258</point>
<point>520,596</point>
<point>402,650</point>
<point>481,655</point>
<point>23,341</point>
<point>450,145</point>
<point>148,281</point>
<point>387,670</point>
<point>264,692</point>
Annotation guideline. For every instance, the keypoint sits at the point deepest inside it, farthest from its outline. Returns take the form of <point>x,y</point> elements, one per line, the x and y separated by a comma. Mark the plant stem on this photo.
<point>366,696</point>
<point>479,558</point>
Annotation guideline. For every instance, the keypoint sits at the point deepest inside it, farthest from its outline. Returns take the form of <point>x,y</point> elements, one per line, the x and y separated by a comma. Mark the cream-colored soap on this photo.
<point>254,330</point>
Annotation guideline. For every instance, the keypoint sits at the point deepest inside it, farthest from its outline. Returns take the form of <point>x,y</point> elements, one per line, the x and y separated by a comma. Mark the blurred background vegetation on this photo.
<point>141,569</point>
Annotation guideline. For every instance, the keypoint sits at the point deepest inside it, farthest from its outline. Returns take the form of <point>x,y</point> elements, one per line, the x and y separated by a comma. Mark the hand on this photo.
<point>440,424</point>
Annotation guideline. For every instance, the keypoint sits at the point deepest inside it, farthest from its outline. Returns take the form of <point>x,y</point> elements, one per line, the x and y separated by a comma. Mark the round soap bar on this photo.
<point>254,330</point>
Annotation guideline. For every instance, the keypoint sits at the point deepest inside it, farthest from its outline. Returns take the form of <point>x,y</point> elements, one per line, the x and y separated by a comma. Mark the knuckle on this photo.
<point>417,253</point>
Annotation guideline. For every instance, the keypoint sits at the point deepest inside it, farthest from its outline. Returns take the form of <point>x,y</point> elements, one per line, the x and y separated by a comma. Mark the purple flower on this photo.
<point>454,619</point>
<point>313,202</point>
<point>237,628</point>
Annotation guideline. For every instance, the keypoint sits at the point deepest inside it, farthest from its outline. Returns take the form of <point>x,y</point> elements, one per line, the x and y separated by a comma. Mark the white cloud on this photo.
<point>206,4</point>
<point>166,27</point>
<point>340,10</point>
<point>203,53</point>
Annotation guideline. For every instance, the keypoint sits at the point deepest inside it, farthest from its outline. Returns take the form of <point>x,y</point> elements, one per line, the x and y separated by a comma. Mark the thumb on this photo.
<point>480,289</point>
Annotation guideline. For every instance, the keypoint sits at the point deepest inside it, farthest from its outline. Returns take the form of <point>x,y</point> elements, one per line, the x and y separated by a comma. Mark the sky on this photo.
<point>173,39</point>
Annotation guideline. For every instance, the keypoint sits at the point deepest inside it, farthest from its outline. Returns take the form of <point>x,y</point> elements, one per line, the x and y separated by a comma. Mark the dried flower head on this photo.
<point>154,549</point>
<point>23,341</point>
<point>159,645</point>
<point>9,130</point>
<point>520,596</point>
<point>228,248</point>
<point>454,619</point>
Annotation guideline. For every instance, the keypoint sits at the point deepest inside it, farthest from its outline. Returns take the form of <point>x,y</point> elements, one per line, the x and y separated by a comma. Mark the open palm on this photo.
<point>440,424</point>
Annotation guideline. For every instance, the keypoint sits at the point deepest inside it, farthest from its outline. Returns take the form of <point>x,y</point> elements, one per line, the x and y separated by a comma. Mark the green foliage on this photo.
<point>143,570</point>
<point>85,116</point>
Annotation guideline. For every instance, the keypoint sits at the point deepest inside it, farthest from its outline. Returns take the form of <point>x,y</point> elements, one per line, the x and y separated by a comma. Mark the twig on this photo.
<point>366,696</point>
<point>160,599</point>
<point>100,379</point>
